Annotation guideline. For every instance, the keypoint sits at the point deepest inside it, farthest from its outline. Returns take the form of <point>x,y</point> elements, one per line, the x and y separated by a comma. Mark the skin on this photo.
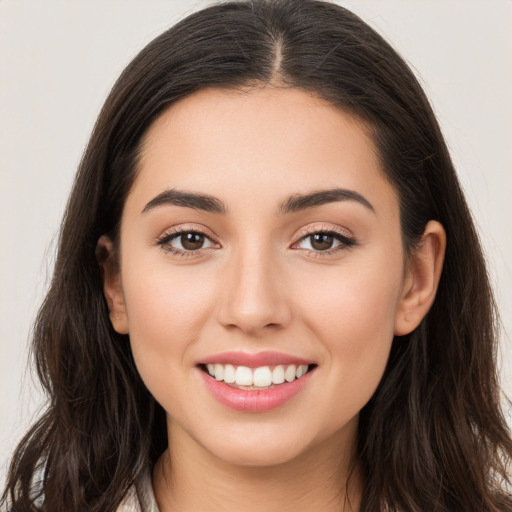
<point>259,284</point>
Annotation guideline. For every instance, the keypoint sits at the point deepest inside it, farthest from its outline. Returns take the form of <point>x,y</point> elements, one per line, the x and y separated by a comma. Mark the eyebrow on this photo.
<point>300,202</point>
<point>295,203</point>
<point>188,199</point>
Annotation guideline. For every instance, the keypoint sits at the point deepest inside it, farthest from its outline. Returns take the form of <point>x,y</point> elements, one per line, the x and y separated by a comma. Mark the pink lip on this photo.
<point>254,400</point>
<point>255,360</point>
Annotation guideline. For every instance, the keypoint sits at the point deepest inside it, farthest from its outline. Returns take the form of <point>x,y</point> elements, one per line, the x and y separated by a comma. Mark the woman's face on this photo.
<point>260,235</point>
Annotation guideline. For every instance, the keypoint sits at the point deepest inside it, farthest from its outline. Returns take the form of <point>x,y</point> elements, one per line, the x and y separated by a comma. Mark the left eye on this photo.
<point>322,241</point>
<point>189,241</point>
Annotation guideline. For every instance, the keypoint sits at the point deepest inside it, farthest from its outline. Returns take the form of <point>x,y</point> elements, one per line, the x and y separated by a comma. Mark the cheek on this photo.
<point>166,310</point>
<point>353,301</point>
<point>353,316</point>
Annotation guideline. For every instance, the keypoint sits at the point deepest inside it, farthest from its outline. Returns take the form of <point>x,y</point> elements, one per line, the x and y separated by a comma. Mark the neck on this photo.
<point>191,479</point>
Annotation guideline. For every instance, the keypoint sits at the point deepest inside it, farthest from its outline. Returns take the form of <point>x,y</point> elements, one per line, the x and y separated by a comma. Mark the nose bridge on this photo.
<point>253,298</point>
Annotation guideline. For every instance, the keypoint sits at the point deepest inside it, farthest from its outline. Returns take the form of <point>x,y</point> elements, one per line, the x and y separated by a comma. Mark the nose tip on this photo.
<point>252,322</point>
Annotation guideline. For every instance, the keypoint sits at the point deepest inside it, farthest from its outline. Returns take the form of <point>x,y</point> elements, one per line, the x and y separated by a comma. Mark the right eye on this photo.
<point>324,242</point>
<point>320,241</point>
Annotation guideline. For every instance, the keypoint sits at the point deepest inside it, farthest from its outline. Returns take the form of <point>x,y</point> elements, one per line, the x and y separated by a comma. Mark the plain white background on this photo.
<point>58,60</point>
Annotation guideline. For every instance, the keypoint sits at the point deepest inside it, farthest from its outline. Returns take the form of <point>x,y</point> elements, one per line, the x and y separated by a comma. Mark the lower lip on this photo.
<point>256,400</point>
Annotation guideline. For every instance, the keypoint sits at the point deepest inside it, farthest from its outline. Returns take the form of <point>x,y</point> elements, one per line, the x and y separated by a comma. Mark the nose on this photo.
<point>253,294</point>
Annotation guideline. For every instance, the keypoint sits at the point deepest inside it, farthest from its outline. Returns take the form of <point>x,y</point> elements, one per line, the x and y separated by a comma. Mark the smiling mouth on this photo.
<point>261,378</point>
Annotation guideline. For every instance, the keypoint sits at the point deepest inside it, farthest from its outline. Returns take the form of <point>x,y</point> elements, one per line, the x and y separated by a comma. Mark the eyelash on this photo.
<point>166,238</point>
<point>345,241</point>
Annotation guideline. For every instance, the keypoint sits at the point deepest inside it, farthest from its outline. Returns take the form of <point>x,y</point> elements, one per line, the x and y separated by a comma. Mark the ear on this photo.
<point>421,279</point>
<point>112,289</point>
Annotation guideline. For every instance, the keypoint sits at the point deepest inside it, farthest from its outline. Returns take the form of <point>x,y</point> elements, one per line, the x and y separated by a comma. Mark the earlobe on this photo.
<point>112,289</point>
<point>422,279</point>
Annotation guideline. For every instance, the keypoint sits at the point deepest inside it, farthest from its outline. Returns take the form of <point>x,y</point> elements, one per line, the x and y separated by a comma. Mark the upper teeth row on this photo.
<point>261,377</point>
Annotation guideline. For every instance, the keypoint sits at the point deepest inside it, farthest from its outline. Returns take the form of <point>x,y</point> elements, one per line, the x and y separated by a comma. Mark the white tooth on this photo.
<point>219,372</point>
<point>229,374</point>
<point>301,370</point>
<point>211,369</point>
<point>262,377</point>
<point>278,375</point>
<point>243,376</point>
<point>289,374</point>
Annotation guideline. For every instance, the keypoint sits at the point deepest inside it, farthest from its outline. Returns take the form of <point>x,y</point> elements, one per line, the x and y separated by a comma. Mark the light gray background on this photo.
<point>58,60</point>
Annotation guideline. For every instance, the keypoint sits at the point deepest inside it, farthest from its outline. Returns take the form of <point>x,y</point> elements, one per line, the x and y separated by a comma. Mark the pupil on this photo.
<point>192,241</point>
<point>322,241</point>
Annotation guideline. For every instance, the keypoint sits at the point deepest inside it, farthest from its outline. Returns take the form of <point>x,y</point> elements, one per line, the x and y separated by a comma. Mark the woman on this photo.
<point>269,292</point>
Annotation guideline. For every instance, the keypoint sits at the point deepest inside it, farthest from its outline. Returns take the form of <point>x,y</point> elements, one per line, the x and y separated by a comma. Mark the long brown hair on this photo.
<point>432,437</point>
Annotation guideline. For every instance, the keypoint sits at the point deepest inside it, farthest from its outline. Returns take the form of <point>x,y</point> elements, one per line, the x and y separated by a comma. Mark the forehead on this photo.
<point>266,143</point>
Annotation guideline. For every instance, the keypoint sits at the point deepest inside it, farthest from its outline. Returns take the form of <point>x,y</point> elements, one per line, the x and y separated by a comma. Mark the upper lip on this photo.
<point>254,360</point>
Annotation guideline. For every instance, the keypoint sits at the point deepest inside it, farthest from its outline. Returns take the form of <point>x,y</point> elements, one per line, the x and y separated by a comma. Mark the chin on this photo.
<point>259,455</point>
<point>265,445</point>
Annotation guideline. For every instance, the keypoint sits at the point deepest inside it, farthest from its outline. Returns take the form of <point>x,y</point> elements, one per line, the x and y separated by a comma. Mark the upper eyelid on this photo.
<point>177,230</point>
<point>311,230</point>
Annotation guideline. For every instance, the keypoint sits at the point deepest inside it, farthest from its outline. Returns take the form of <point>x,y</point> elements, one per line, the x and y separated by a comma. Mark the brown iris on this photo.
<point>192,241</point>
<point>321,241</point>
